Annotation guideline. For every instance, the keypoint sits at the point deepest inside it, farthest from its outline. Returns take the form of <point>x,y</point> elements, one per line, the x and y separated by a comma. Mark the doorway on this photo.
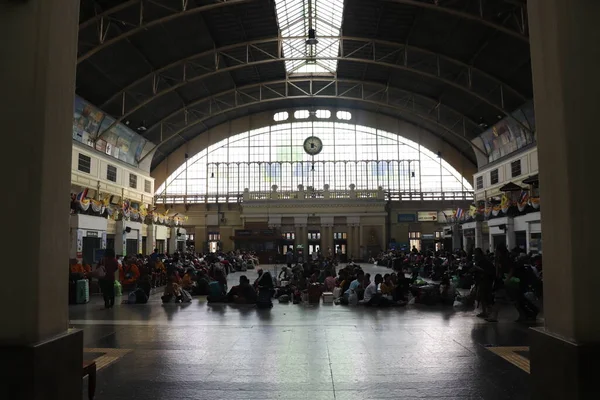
<point>90,245</point>
<point>131,247</point>
<point>314,242</point>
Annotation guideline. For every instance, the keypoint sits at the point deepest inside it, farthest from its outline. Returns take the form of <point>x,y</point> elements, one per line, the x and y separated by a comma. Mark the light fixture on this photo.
<point>312,37</point>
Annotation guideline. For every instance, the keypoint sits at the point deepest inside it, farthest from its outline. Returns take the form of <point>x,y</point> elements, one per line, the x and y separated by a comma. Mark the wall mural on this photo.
<point>91,127</point>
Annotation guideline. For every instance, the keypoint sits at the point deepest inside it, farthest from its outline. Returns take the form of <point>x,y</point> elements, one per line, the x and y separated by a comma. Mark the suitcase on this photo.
<point>82,291</point>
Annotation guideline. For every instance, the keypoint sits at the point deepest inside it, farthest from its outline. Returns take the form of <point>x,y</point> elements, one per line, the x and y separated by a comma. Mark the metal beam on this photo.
<point>439,6</point>
<point>145,25</point>
<point>378,88</point>
<point>253,44</point>
<point>215,69</point>
<point>345,96</point>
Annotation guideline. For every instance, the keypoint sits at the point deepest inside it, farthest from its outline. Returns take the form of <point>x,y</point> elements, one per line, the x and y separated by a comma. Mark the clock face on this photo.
<point>313,145</point>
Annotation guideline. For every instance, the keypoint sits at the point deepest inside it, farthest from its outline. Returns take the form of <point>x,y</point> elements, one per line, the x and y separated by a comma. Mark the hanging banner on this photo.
<point>103,243</point>
<point>79,243</point>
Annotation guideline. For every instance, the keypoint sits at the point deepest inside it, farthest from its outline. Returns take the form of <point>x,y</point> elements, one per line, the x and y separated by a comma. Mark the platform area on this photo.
<point>200,351</point>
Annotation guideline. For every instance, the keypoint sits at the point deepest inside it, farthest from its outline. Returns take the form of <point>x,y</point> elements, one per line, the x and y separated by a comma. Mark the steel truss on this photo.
<point>131,18</point>
<point>403,102</point>
<point>451,73</point>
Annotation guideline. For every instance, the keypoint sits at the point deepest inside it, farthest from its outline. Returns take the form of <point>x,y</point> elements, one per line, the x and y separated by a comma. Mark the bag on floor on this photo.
<point>82,291</point>
<point>186,297</point>
<point>337,292</point>
<point>264,298</point>
<point>131,298</point>
<point>353,298</point>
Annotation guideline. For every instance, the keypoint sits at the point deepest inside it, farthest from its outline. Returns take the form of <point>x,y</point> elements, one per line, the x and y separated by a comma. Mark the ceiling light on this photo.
<point>312,37</point>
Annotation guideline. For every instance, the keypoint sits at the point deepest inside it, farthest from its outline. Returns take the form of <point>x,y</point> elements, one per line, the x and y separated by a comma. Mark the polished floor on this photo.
<point>201,351</point>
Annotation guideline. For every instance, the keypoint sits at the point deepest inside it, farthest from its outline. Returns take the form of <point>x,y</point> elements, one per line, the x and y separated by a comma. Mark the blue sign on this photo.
<point>407,218</point>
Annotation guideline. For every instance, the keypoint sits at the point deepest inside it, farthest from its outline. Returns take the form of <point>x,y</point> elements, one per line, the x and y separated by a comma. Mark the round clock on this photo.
<point>313,145</point>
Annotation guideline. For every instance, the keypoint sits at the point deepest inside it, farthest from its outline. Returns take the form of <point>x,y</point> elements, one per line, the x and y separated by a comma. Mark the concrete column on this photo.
<point>565,58</point>
<point>456,237</point>
<point>151,239</point>
<point>479,236</point>
<point>511,240</point>
<point>350,241</point>
<point>361,242</point>
<point>38,48</point>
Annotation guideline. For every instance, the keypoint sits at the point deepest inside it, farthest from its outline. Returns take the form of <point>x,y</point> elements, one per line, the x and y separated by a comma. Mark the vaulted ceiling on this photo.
<point>172,69</point>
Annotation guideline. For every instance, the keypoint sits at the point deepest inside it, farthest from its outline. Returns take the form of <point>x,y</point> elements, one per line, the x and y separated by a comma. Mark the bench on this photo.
<point>89,369</point>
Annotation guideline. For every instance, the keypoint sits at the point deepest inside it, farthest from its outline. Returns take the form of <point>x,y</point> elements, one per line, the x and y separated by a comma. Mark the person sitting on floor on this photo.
<point>172,290</point>
<point>243,293</point>
<point>373,297</point>
<point>202,284</point>
<point>387,287</point>
<point>188,281</point>
<point>265,288</point>
<point>129,274</point>
<point>218,288</point>
<point>329,281</point>
<point>354,287</point>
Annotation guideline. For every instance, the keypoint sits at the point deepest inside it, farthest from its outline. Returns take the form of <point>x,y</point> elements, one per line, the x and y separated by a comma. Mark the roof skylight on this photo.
<point>295,18</point>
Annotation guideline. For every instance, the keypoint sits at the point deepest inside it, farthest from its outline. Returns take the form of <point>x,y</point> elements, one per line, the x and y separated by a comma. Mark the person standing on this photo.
<point>107,282</point>
<point>289,258</point>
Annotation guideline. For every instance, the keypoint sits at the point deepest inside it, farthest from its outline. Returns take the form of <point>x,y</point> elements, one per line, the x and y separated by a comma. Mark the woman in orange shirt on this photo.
<point>129,274</point>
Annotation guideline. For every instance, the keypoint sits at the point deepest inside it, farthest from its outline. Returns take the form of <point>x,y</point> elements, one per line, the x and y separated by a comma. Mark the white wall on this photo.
<point>97,179</point>
<point>529,166</point>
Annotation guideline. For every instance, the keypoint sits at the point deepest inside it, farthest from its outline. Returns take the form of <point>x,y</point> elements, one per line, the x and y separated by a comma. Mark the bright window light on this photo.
<point>281,116</point>
<point>295,20</point>
<point>301,114</point>
<point>343,115</point>
<point>323,114</point>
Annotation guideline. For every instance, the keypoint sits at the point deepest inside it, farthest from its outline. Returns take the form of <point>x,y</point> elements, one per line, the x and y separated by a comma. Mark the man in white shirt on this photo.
<point>373,296</point>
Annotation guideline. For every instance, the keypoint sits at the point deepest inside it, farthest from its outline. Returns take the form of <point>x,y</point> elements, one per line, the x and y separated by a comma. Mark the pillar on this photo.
<point>511,240</point>
<point>173,240</point>
<point>38,48</point>
<point>565,57</point>
<point>456,237</point>
<point>361,243</point>
<point>479,236</point>
<point>151,239</point>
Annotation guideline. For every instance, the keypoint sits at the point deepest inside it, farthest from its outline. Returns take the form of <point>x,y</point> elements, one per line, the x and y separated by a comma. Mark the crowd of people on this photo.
<point>428,278</point>
<point>491,278</point>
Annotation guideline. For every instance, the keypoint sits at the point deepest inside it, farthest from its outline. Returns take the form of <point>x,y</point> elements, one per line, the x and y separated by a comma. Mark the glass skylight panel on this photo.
<point>324,114</point>
<point>281,116</point>
<point>294,19</point>
<point>301,114</point>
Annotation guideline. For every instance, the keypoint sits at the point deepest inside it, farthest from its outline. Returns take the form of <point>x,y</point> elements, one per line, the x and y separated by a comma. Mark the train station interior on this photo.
<point>300,199</point>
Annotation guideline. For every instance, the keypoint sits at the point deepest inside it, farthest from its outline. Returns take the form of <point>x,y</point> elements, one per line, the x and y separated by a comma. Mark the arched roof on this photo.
<point>175,69</point>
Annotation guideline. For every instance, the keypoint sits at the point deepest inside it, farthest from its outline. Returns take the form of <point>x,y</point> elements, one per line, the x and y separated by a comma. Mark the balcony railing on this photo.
<point>312,195</point>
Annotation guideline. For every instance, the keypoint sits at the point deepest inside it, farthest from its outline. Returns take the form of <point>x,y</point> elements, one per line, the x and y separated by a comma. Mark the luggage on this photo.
<point>118,289</point>
<point>186,297</point>
<point>82,291</point>
<point>264,298</point>
<point>327,298</point>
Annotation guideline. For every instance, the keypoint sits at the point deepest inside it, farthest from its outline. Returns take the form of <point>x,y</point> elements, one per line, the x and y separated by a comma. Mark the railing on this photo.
<point>312,195</point>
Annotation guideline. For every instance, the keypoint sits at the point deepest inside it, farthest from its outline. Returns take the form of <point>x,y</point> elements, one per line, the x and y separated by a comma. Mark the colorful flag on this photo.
<point>82,195</point>
<point>524,197</point>
<point>459,213</point>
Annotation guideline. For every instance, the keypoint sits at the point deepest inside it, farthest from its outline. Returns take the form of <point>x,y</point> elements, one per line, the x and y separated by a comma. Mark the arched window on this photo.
<point>351,154</point>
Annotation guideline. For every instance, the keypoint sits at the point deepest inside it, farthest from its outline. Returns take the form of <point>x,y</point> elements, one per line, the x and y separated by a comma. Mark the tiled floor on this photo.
<point>200,351</point>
